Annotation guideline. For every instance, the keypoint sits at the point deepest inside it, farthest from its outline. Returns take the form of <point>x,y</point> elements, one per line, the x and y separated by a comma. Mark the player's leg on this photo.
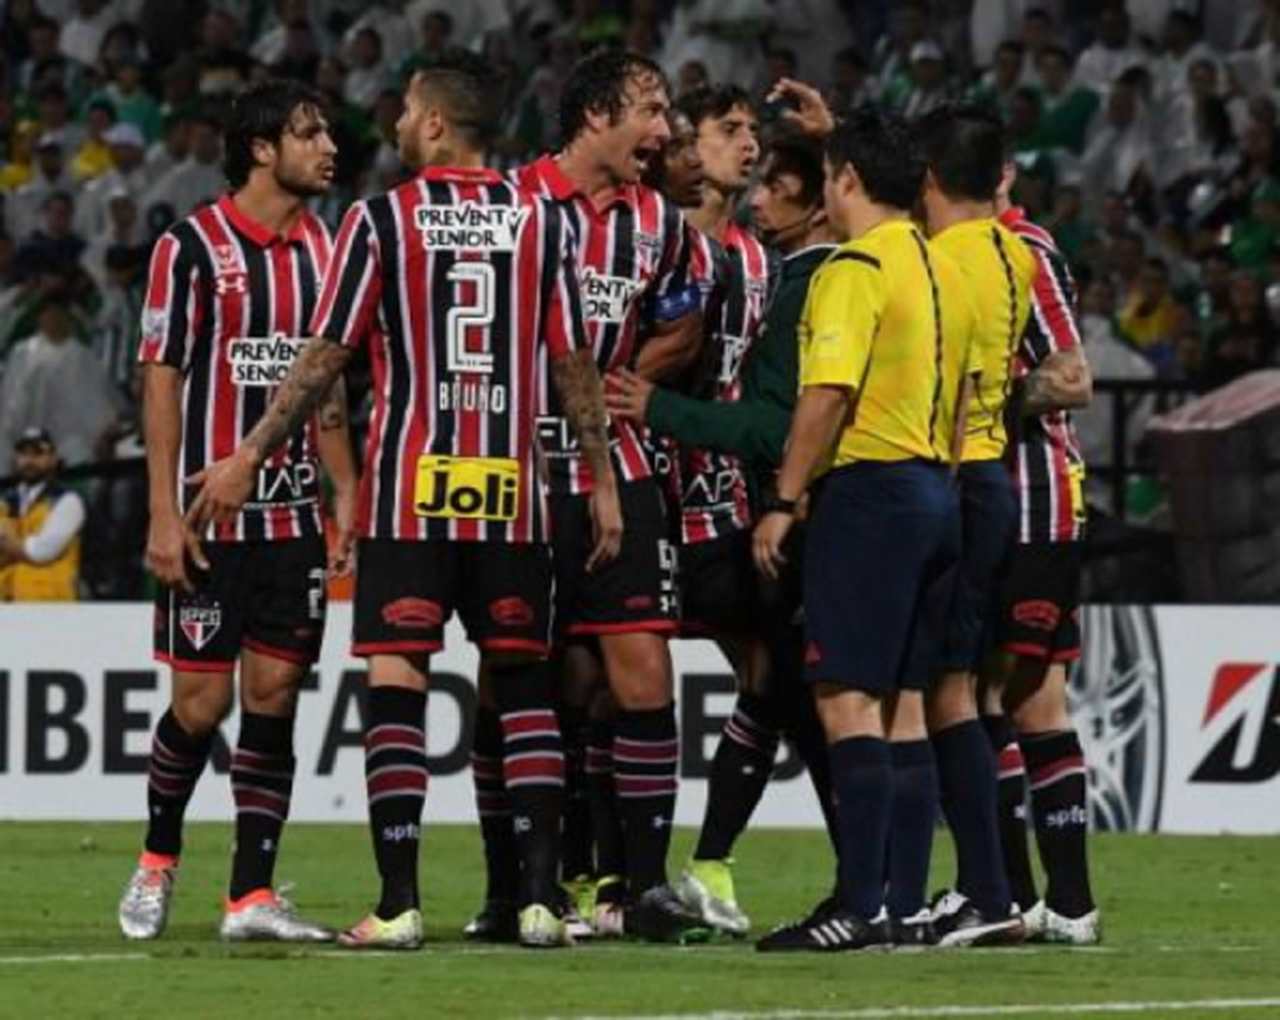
<point>602,904</point>
<point>404,594</point>
<point>911,821</point>
<point>198,636</point>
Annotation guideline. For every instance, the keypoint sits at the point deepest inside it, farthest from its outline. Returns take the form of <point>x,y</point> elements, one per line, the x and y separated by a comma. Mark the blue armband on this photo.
<point>676,304</point>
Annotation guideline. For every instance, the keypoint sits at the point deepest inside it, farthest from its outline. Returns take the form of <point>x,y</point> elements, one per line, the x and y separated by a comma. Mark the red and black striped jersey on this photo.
<point>1047,466</point>
<point>228,302</point>
<point>459,284</point>
<point>637,247</point>
<point>714,489</point>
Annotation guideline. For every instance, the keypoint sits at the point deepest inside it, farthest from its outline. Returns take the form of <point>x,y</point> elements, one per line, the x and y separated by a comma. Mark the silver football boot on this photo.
<point>144,907</point>
<point>270,917</point>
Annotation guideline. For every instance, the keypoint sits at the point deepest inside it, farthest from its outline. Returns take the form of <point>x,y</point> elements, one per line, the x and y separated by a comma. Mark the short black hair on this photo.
<point>262,111</point>
<point>964,145</point>
<point>598,83</point>
<point>712,101</point>
<point>1056,50</point>
<point>880,148</point>
<point>801,157</point>
<point>1013,46</point>
<point>469,89</point>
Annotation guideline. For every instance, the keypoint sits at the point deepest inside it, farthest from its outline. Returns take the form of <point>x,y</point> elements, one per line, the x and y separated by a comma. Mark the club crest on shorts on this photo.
<point>200,623</point>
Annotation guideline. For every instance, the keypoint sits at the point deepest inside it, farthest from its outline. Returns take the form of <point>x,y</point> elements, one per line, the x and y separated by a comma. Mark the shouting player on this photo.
<point>462,288</point>
<point>229,288</point>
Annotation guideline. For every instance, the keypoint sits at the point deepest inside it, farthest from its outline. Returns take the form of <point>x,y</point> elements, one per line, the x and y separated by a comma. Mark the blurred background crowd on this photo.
<point>1146,133</point>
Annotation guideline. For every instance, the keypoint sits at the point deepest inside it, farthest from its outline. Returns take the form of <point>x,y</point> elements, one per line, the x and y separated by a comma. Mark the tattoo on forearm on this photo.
<point>581,390</point>
<point>310,378</point>
<point>1037,395</point>
<point>333,410</point>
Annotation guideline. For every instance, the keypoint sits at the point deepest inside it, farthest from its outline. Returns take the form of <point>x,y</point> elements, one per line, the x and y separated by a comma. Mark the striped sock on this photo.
<point>533,769</point>
<point>1060,812</point>
<point>502,863</point>
<point>646,759</point>
<point>176,761</point>
<point>1011,809</point>
<point>739,773</point>
<point>261,783</point>
<point>606,826</point>
<point>395,772</point>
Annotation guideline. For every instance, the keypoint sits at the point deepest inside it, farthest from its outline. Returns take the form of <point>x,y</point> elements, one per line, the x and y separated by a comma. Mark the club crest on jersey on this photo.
<point>470,226</point>
<point>607,298</point>
<point>155,325</point>
<point>229,274</point>
<point>200,623</point>
<point>651,243</point>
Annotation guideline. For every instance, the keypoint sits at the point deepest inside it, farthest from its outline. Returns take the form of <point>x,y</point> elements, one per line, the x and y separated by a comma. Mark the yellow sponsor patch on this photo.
<point>469,488</point>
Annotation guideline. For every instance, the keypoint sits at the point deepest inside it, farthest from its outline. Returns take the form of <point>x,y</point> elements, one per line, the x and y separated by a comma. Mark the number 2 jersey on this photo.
<point>227,303</point>
<point>635,248</point>
<point>457,283</point>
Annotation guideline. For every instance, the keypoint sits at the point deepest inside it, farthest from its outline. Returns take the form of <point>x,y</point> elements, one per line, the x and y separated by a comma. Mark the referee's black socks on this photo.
<point>915,807</point>
<point>862,776</point>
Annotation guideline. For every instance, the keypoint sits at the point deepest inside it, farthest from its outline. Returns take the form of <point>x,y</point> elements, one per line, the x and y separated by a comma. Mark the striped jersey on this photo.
<point>714,499</point>
<point>459,285</point>
<point>228,301</point>
<point>1047,466</point>
<point>637,247</point>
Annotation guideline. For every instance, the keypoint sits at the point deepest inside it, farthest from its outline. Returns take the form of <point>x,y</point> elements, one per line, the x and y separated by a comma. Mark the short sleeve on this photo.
<point>169,309</point>
<point>684,275</point>
<point>841,317</point>
<point>352,285</point>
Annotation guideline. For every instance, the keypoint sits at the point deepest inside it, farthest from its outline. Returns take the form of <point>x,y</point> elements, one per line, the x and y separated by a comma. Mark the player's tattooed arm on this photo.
<point>333,409</point>
<point>1062,382</point>
<point>312,380</point>
<point>577,381</point>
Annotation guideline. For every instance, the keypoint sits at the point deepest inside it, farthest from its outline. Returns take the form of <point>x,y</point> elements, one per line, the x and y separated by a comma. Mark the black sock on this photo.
<point>646,759</point>
<point>395,771</point>
<point>804,729</point>
<point>967,777</point>
<point>1011,809</point>
<point>533,769</point>
<point>176,761</point>
<point>739,773</point>
<point>863,781</point>
<point>262,784</point>
<point>501,860</point>
<point>1060,812</point>
<point>915,808</point>
<point>606,824</point>
<point>577,842</point>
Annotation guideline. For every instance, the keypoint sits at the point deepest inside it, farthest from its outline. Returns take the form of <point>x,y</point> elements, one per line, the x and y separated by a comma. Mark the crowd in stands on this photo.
<point>1147,136</point>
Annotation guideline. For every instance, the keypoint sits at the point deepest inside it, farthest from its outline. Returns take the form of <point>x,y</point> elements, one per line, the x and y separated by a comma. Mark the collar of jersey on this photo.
<point>256,232</point>
<point>467,175</point>
<point>562,188</point>
<point>1014,214</point>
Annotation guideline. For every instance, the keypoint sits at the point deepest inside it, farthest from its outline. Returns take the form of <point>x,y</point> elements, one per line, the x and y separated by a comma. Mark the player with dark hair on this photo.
<point>634,248</point>
<point>229,288</point>
<point>884,345</point>
<point>749,431</point>
<point>1038,628</point>
<point>964,148</point>
<point>463,288</point>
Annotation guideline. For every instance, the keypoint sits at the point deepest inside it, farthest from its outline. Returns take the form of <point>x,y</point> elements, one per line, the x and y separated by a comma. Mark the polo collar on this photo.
<point>461,175</point>
<point>257,232</point>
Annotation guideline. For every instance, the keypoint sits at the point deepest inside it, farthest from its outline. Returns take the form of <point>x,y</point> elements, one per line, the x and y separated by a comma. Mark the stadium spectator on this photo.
<point>93,157</point>
<point>1121,152</point>
<point>42,46</point>
<point>724,35</point>
<point>132,103</point>
<point>224,66</point>
<point>55,242</point>
<point>925,86</point>
<point>1150,317</point>
<point>53,111</point>
<point>852,82</point>
<point>122,228</point>
<point>197,179</point>
<point>1067,107</point>
<point>1102,63</point>
<point>393,28</point>
<point>435,34</point>
<point>40,524</point>
<point>173,146</point>
<point>82,36</point>
<point>1245,342</point>
<point>367,73</point>
<point>998,85</point>
<point>126,149</point>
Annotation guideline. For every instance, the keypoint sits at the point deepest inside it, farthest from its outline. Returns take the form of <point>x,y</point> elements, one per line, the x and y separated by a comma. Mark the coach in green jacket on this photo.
<point>786,207</point>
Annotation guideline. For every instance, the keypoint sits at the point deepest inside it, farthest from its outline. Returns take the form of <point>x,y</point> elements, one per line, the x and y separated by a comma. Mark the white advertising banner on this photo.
<point>1178,709</point>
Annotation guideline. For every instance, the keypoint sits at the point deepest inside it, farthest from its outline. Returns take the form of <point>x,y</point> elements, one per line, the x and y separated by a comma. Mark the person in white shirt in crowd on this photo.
<point>1183,46</point>
<point>128,150</point>
<point>1113,53</point>
<point>991,22</point>
<point>172,147</point>
<point>927,86</point>
<point>122,228</point>
<point>82,35</point>
<point>724,34</point>
<point>194,181</point>
<point>269,47</point>
<point>393,28</point>
<point>23,208</point>
<point>472,21</point>
<point>40,524</point>
<point>367,71</point>
<point>1121,147</point>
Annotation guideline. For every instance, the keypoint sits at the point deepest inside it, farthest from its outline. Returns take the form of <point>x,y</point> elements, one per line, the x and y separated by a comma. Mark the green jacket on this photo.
<point>755,426</point>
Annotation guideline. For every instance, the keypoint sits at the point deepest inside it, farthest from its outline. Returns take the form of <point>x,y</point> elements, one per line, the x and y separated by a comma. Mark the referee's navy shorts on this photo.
<point>882,534</point>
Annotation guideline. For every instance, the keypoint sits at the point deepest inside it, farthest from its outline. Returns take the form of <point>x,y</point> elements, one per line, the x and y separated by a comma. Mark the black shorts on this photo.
<point>718,583</point>
<point>407,590</point>
<point>1040,601</point>
<point>636,592</point>
<point>268,597</point>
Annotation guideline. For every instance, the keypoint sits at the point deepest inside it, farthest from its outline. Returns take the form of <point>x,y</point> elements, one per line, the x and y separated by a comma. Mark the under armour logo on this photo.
<point>268,846</point>
<point>661,823</point>
<point>522,823</point>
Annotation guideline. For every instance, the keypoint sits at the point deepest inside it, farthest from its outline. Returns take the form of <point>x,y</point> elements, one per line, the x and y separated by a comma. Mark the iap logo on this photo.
<point>1242,719</point>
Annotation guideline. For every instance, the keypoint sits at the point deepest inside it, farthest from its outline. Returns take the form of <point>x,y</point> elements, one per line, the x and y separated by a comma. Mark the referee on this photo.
<point>884,342</point>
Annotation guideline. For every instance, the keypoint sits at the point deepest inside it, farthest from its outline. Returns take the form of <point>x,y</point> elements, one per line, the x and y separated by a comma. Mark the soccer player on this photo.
<point>229,288</point>
<point>884,341</point>
<point>632,245</point>
<point>1039,621</point>
<point>465,292</point>
<point>750,430</point>
<point>963,147</point>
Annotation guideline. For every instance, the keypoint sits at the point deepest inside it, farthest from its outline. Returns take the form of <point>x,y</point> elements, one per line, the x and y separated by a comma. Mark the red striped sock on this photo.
<point>1060,811</point>
<point>176,762</point>
<point>262,769</point>
<point>395,772</point>
<point>646,762</point>
<point>493,805</point>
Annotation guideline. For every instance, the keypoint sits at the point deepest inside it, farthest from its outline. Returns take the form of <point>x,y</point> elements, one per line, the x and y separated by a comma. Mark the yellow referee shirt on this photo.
<point>892,319</point>
<point>1000,269</point>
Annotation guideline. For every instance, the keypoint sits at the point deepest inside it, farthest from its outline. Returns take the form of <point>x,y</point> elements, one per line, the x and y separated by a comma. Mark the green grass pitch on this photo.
<point>1190,925</point>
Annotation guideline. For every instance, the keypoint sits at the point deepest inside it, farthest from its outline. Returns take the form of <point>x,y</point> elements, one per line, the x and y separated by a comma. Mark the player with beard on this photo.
<point>749,429</point>
<point>228,288</point>
<point>459,278</point>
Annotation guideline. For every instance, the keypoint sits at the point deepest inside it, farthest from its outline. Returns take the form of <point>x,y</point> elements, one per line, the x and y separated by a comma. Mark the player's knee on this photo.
<point>846,712</point>
<point>200,709</point>
<point>952,700</point>
<point>639,667</point>
<point>1039,707</point>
